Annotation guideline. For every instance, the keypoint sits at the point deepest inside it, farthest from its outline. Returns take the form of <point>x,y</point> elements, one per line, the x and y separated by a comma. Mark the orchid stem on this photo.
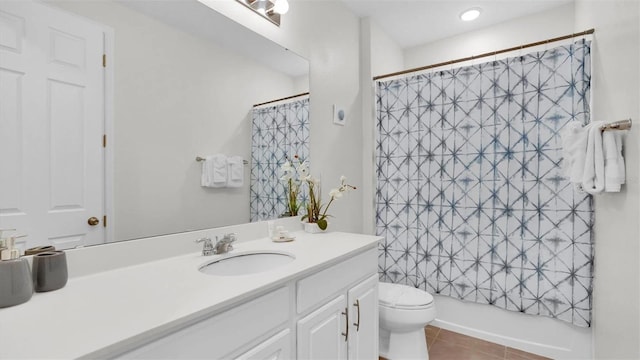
<point>327,207</point>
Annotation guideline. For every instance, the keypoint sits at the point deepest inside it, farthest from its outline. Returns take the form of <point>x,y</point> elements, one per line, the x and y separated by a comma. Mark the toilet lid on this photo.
<point>402,296</point>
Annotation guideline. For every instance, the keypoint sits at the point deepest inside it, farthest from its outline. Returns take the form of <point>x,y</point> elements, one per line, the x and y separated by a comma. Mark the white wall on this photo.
<point>177,96</point>
<point>386,55</point>
<point>615,94</point>
<point>327,34</point>
<point>379,54</point>
<point>544,25</point>
<point>301,84</point>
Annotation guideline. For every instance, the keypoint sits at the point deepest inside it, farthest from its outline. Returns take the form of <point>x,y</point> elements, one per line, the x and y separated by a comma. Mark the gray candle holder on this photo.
<point>49,271</point>
<point>39,249</point>
<point>16,285</point>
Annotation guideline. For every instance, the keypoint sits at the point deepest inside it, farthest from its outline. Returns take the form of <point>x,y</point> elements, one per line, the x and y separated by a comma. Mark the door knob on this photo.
<point>93,221</point>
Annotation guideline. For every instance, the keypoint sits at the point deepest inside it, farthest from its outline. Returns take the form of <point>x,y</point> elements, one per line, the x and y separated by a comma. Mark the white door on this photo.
<point>363,308</point>
<point>51,125</point>
<point>323,333</point>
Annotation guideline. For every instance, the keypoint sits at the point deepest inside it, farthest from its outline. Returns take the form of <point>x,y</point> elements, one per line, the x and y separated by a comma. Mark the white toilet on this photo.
<point>404,312</point>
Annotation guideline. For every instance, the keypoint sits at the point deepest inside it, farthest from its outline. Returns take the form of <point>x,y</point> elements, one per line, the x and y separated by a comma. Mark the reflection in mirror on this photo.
<point>280,134</point>
<point>179,82</point>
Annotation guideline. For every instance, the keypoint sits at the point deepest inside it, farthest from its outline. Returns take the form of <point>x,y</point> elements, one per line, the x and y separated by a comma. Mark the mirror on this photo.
<point>184,81</point>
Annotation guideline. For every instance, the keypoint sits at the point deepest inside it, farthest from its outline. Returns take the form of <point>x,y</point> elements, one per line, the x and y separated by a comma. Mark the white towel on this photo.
<point>235,171</point>
<point>593,158</point>
<point>593,176</point>
<point>214,171</point>
<point>574,146</point>
<point>614,172</point>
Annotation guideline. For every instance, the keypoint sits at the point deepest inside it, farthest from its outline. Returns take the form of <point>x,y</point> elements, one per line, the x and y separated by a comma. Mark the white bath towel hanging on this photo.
<point>593,158</point>
<point>614,171</point>
<point>593,176</point>
<point>235,171</point>
<point>214,171</point>
<point>574,145</point>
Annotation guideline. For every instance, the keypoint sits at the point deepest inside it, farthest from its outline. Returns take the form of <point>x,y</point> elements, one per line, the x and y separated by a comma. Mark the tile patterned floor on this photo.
<point>448,345</point>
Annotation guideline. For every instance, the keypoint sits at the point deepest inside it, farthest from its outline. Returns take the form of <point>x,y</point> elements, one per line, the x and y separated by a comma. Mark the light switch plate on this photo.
<point>339,115</point>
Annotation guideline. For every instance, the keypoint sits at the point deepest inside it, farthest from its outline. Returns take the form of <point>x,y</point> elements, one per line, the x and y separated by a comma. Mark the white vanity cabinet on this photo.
<point>330,314</point>
<point>164,308</point>
<point>246,329</point>
<point>322,334</point>
<point>278,347</point>
<point>363,306</point>
<point>345,326</point>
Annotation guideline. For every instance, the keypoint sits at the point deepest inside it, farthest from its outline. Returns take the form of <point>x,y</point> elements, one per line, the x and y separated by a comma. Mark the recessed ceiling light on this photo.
<point>470,14</point>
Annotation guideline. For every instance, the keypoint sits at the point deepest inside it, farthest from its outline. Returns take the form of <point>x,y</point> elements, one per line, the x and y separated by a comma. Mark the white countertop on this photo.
<point>117,310</point>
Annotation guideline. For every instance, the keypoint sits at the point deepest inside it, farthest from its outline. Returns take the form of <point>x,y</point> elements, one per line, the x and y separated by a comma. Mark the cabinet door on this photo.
<point>320,334</point>
<point>277,347</point>
<point>363,317</point>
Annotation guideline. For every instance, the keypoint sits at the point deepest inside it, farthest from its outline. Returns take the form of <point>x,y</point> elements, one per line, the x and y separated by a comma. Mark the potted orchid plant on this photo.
<point>293,173</point>
<point>316,211</point>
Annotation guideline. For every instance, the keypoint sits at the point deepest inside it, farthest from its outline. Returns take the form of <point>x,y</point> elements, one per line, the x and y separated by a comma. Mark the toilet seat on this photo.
<point>396,307</point>
<point>404,297</point>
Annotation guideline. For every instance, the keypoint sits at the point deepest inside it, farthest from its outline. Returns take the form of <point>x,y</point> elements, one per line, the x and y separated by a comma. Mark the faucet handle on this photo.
<point>231,237</point>
<point>207,248</point>
<point>223,245</point>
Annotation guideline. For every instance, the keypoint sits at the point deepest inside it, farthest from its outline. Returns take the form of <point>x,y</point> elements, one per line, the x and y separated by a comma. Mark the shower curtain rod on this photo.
<point>537,43</point>
<point>284,98</point>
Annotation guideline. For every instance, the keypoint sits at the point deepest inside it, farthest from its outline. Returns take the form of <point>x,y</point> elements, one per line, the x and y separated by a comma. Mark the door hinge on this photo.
<point>104,140</point>
<point>104,221</point>
<point>104,60</point>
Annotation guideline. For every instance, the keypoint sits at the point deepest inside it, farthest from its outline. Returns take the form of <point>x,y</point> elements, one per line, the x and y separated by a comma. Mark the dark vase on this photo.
<point>16,285</point>
<point>50,271</point>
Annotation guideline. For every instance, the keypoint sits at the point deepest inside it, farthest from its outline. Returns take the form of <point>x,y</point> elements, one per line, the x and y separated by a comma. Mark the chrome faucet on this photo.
<point>207,248</point>
<point>222,246</point>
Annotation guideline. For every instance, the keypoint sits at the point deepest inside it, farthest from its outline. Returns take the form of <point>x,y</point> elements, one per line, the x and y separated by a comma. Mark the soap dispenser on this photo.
<point>16,283</point>
<point>3,241</point>
<point>9,252</point>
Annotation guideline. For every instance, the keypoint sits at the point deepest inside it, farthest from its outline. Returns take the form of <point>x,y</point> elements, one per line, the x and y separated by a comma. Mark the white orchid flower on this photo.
<point>335,193</point>
<point>303,169</point>
<point>287,167</point>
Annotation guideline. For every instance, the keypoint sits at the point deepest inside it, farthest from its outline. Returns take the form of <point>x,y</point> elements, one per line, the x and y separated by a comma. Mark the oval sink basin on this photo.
<point>246,263</point>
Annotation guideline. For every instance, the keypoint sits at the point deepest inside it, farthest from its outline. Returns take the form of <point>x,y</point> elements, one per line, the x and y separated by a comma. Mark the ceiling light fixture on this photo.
<point>268,9</point>
<point>281,7</point>
<point>261,7</point>
<point>470,14</point>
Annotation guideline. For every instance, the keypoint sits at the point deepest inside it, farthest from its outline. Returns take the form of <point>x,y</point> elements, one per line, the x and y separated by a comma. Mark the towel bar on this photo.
<point>200,158</point>
<point>617,125</point>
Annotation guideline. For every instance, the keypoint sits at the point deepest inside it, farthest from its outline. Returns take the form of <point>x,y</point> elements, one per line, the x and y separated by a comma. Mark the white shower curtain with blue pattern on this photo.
<point>471,197</point>
<point>279,132</point>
